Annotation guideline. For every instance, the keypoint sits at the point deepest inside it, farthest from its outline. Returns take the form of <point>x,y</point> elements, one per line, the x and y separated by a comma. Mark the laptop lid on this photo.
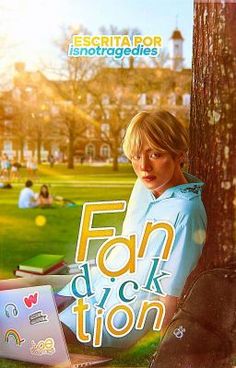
<point>30,329</point>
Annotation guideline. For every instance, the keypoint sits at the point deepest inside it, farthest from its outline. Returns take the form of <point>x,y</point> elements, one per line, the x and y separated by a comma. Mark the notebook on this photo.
<point>41,263</point>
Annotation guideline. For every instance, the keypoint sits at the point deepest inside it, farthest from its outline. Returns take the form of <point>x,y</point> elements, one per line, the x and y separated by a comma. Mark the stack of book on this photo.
<point>42,264</point>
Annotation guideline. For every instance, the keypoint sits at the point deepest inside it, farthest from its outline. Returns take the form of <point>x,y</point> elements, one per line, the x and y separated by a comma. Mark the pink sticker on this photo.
<point>31,300</point>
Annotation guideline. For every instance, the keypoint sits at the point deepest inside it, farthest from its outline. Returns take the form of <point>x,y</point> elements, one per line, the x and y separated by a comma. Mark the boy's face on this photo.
<point>155,169</point>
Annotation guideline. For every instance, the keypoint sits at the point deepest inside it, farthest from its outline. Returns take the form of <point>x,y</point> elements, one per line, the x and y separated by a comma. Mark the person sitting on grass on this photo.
<point>27,196</point>
<point>44,198</point>
<point>64,202</point>
<point>5,185</point>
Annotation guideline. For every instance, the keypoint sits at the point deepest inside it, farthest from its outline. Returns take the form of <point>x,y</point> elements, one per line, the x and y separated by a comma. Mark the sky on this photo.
<point>29,28</point>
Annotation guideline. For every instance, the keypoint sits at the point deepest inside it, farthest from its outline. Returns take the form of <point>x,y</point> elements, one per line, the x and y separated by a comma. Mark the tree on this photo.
<point>31,103</point>
<point>213,123</point>
<point>19,127</point>
<point>40,126</point>
<point>70,91</point>
<point>212,134</point>
<point>212,158</point>
<point>113,104</point>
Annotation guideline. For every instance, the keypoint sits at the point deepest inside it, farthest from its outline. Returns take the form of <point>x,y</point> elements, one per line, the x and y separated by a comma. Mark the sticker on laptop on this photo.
<point>43,347</point>
<point>38,317</point>
<point>31,300</point>
<point>13,335</point>
<point>11,310</point>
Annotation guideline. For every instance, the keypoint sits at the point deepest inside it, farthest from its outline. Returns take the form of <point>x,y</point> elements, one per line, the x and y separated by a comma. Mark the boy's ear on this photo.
<point>182,157</point>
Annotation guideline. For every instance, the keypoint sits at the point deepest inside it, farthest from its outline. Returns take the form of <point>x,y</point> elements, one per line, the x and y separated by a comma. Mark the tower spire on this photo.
<point>176,21</point>
<point>176,49</point>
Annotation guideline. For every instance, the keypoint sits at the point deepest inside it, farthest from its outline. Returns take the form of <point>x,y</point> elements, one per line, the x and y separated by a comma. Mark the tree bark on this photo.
<point>39,146</point>
<point>70,164</point>
<point>115,155</point>
<point>213,123</point>
<point>115,165</point>
<point>21,150</point>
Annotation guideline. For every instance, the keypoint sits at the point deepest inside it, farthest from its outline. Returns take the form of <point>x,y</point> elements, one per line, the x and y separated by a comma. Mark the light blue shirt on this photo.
<point>183,208</point>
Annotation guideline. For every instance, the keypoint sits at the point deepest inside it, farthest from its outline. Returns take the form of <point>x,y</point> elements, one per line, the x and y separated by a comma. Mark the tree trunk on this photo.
<point>212,159</point>
<point>39,146</point>
<point>213,123</point>
<point>115,166</point>
<point>115,155</point>
<point>21,150</point>
<point>70,164</point>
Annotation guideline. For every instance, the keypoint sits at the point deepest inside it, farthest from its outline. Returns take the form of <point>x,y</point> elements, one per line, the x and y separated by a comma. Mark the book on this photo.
<point>41,263</point>
<point>58,269</point>
<point>51,270</point>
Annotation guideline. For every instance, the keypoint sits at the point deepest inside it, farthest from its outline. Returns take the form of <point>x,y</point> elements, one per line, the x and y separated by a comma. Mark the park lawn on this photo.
<point>21,238</point>
<point>83,173</point>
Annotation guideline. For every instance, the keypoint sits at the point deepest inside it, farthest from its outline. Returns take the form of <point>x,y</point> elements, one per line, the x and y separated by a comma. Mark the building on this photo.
<point>41,117</point>
<point>176,51</point>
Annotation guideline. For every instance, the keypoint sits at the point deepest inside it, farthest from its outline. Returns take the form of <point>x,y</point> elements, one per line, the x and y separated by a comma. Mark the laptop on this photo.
<point>30,330</point>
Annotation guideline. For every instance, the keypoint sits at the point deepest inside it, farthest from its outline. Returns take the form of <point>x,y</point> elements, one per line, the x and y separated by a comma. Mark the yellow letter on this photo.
<point>137,40</point>
<point>86,41</point>
<point>117,39</point>
<point>95,40</point>
<point>80,310</point>
<point>145,307</point>
<point>77,40</point>
<point>157,41</point>
<point>105,41</point>
<point>123,331</point>
<point>97,337</point>
<point>170,233</point>
<point>87,232</point>
<point>147,41</point>
<point>125,41</point>
<point>130,265</point>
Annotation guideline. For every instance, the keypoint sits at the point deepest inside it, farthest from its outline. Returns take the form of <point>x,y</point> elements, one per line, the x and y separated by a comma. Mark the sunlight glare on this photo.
<point>33,25</point>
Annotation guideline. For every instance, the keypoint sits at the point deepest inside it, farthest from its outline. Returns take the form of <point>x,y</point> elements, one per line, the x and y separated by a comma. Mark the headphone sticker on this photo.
<point>11,310</point>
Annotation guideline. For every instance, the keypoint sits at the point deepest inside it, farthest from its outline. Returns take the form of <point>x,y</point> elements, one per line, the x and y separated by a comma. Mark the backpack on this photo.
<point>202,333</point>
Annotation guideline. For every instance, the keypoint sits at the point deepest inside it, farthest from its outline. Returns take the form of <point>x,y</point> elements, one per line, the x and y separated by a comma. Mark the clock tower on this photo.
<point>176,50</point>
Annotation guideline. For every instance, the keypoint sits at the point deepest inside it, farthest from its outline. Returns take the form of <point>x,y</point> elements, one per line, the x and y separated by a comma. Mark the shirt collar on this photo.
<point>188,191</point>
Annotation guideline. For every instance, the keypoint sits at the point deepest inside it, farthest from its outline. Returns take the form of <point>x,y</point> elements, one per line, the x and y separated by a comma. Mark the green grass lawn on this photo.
<point>21,238</point>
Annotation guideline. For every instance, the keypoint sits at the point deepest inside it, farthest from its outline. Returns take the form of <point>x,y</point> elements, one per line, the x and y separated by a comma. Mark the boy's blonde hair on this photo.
<point>160,129</point>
